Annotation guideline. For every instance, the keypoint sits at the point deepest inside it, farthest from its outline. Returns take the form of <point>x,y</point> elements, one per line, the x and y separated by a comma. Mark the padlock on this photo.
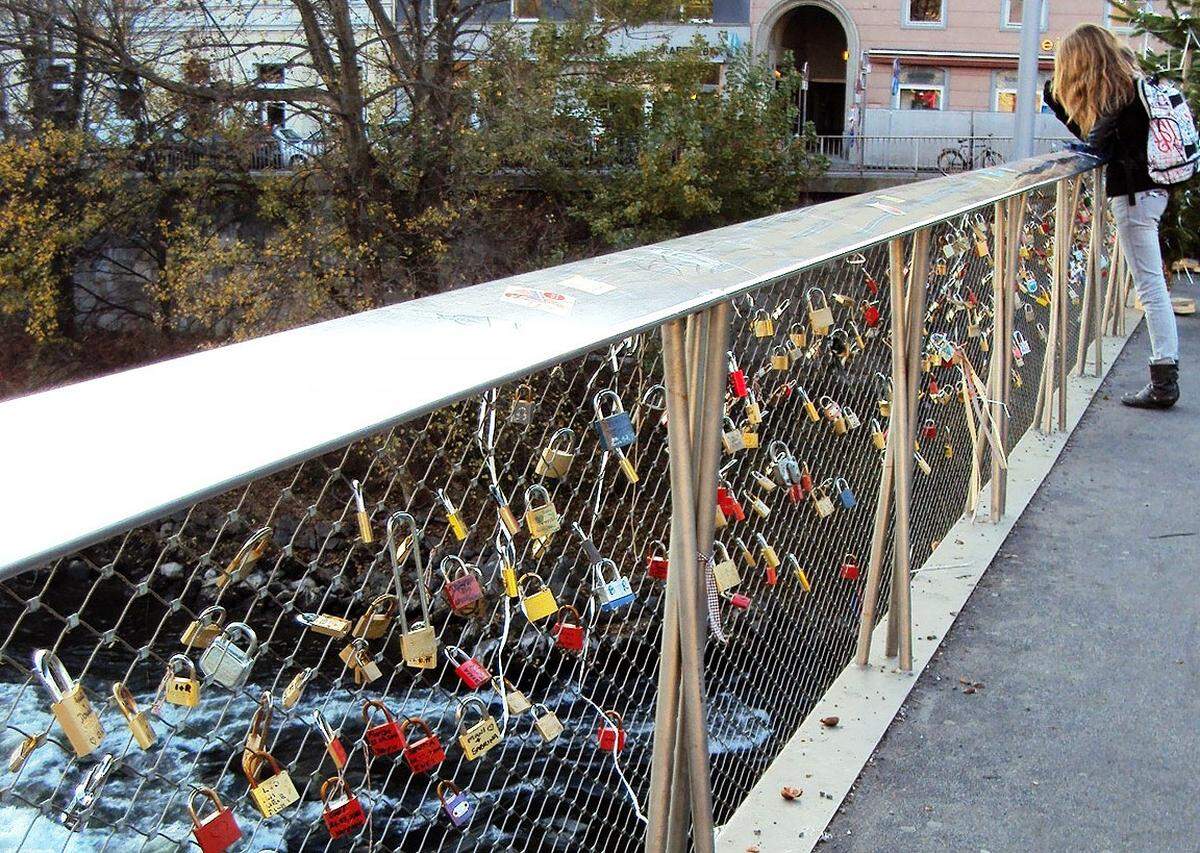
<point>747,554</point>
<point>611,593</point>
<point>504,511</point>
<point>555,459</point>
<point>922,463</point>
<point>383,739</point>
<point>763,481</point>
<point>731,437</point>
<point>341,810</point>
<point>204,628</point>
<point>361,662</point>
<point>614,430</point>
<point>360,510</point>
<point>182,690</point>
<point>798,335</point>
<point>799,573</point>
<point>657,561</point>
<point>256,733</point>
<point>842,486</point>
<point>138,722</point>
<point>725,571</point>
<point>546,723</point>
<point>885,396</point>
<point>822,503</point>
<point>981,246</point>
<point>878,436</point>
<point>853,421</point>
<point>568,631</point>
<point>754,415</point>
<point>929,429</point>
<point>769,555</point>
<point>757,505</point>
<point>462,590</point>
<point>654,400</point>
<point>468,669</point>
<point>295,687</point>
<point>325,624</point>
<point>948,250</point>
<point>833,413</point>
<point>728,502</point>
<point>374,624</point>
<point>849,569</point>
<point>456,806</point>
<point>541,518</point>
<point>418,643</point>
<point>1041,331</point>
<point>426,752</point>
<point>514,700</point>
<point>610,736</point>
<point>839,346</point>
<point>275,793</point>
<point>453,517</point>
<point>762,324</point>
<point>820,315</point>
<point>334,747</point>
<point>246,558</point>
<point>478,737</point>
<point>949,450</point>
<point>870,313</point>
<point>749,435</point>
<point>523,405</point>
<point>780,360</point>
<point>809,408</point>
<point>217,832</point>
<point>737,377</point>
<point>507,554</point>
<point>626,466</point>
<point>771,576</point>
<point>738,600</point>
<point>224,662</point>
<point>539,605</point>
<point>939,266</point>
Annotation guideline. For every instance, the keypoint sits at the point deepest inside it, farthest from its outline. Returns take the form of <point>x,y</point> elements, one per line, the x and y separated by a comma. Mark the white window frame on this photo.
<point>997,90</point>
<point>1006,8</point>
<point>943,89</point>
<point>905,21</point>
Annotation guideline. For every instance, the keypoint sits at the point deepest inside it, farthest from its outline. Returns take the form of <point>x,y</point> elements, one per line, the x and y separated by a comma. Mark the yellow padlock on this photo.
<point>275,793</point>
<point>138,722</point>
<point>539,605</point>
<point>70,705</point>
<point>360,510</point>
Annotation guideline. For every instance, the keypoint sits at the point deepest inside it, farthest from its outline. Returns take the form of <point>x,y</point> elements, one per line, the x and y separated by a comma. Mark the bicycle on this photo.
<point>951,161</point>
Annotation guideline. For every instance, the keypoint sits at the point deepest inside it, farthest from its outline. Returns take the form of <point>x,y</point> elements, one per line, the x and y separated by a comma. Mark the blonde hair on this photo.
<point>1093,75</point>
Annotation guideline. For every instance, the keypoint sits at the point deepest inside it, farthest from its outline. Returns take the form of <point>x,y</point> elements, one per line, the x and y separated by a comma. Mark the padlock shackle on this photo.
<point>211,795</point>
<point>762,540</point>
<point>464,704</point>
<point>443,785</point>
<point>808,297</point>
<point>451,558</point>
<point>51,672</point>
<point>607,393</point>
<point>521,583</point>
<point>558,433</point>
<point>536,488</point>
<point>260,720</point>
<point>370,704</point>
<point>719,545</point>
<point>841,480</point>
<point>126,703</point>
<point>212,615</point>
<point>571,609</point>
<point>323,728</point>
<point>339,783</point>
<point>235,629</point>
<point>254,763</point>
<point>786,453</point>
<point>181,660</point>
<point>418,722</point>
<point>422,592</point>
<point>356,490</point>
<point>615,718</point>
<point>451,651</point>
<point>600,566</point>
<point>656,390</point>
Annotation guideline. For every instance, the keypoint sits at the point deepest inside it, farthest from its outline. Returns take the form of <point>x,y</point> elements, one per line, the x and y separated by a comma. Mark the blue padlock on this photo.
<point>457,807</point>
<point>845,493</point>
<point>611,594</point>
<point>615,430</point>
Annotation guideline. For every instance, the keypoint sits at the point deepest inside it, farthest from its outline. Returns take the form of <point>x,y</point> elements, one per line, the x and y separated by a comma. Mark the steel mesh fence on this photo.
<point>291,544</point>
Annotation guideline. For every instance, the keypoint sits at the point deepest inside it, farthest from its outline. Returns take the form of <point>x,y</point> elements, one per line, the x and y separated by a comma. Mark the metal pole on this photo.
<point>1027,73</point>
<point>866,621</point>
<point>997,362</point>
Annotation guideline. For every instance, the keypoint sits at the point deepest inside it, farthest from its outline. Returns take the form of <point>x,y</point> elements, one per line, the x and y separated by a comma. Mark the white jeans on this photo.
<point>1137,226</point>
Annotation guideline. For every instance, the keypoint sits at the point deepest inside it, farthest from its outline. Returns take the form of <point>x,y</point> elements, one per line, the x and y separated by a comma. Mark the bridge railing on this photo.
<point>479,514</point>
<point>917,155</point>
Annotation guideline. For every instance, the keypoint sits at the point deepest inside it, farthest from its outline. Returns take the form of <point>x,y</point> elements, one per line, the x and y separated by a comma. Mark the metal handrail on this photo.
<point>89,460</point>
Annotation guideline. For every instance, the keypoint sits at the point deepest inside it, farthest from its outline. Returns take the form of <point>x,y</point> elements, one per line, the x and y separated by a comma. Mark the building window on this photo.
<point>1004,91</point>
<point>921,89</point>
<point>526,10</point>
<point>269,73</point>
<point>274,114</point>
<point>924,13</point>
<point>1013,9</point>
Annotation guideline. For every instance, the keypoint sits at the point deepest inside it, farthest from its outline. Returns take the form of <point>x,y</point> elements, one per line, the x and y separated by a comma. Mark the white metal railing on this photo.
<point>917,155</point>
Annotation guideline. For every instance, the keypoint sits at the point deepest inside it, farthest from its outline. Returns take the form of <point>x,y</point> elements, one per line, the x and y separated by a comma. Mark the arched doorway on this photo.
<point>814,35</point>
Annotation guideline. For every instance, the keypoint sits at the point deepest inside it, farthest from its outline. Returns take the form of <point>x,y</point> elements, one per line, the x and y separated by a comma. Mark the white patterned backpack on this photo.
<point>1172,146</point>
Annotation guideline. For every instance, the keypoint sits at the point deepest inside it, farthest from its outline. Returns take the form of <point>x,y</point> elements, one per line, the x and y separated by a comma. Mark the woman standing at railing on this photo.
<point>1094,92</point>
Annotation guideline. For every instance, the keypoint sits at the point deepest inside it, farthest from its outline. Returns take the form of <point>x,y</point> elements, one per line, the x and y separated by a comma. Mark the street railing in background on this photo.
<point>917,155</point>
<point>426,577</point>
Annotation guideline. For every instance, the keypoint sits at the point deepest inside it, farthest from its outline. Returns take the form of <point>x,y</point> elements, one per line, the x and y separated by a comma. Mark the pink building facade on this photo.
<point>868,56</point>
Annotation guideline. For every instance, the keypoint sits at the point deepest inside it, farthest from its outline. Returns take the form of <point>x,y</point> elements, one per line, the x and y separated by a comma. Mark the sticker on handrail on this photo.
<point>587,285</point>
<point>886,208</point>
<point>540,300</point>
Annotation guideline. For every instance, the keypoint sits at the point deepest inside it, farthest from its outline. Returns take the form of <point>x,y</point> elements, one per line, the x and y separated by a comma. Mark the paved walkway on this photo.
<point>1086,636</point>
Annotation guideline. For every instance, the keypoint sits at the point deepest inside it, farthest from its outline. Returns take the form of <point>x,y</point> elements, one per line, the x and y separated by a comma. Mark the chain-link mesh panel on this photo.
<point>291,544</point>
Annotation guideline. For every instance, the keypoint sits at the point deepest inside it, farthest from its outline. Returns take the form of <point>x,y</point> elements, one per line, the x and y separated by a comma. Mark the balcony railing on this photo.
<point>920,155</point>
<point>452,481</point>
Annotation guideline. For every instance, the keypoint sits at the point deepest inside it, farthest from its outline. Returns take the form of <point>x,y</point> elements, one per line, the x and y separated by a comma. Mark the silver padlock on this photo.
<point>225,663</point>
<point>615,593</point>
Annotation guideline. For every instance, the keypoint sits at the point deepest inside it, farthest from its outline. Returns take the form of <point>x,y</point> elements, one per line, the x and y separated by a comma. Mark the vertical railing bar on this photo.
<point>1086,325</point>
<point>1099,220</point>
<point>995,384</point>
<point>898,423</point>
<point>1064,276</point>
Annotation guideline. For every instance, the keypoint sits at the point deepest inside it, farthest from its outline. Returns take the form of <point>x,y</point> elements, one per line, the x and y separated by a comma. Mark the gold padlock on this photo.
<point>764,482</point>
<point>418,644</point>
<point>798,573</point>
<point>360,510</point>
<point>725,571</point>
<point>275,793</point>
<point>749,435</point>
<point>762,324</point>
<point>798,335</point>
<point>70,704</point>
<point>555,459</point>
<point>758,505</point>
<point>753,410</point>
<point>747,553</point>
<point>457,526</point>
<point>325,624</point>
<point>769,555</point>
<point>182,690</point>
<point>541,518</point>
<point>822,504</point>
<point>507,552</point>
<point>360,660</point>
<point>780,360</point>
<point>245,559</point>
<point>480,736</point>
<point>922,463</point>
<point>539,605</point>
<point>138,722</point>
<point>719,519</point>
<point>256,733</point>
<point>504,511</point>
<point>878,436</point>
<point>546,723</point>
<point>295,687</point>
<point>375,622</point>
<point>810,408</point>
<point>820,315</point>
<point>205,628</point>
<point>514,700</point>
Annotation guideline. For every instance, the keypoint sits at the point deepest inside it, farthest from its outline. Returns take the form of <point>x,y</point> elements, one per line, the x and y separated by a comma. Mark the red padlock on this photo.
<point>772,575</point>
<point>933,386</point>
<point>344,814</point>
<point>333,745</point>
<point>872,284</point>
<point>972,298</point>
<point>217,832</point>
<point>871,314</point>
<point>462,592</point>
<point>806,482</point>
<point>796,493</point>
<point>850,567</point>
<point>737,378</point>
<point>929,429</point>
<point>741,602</point>
<point>425,754</point>
<point>656,561</point>
<point>611,734</point>
<point>387,738</point>
<point>729,504</point>
<point>568,631</point>
<point>471,671</point>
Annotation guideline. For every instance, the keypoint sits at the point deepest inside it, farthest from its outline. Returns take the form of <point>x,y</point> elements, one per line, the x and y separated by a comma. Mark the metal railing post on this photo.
<point>998,363</point>
<point>1089,321</point>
